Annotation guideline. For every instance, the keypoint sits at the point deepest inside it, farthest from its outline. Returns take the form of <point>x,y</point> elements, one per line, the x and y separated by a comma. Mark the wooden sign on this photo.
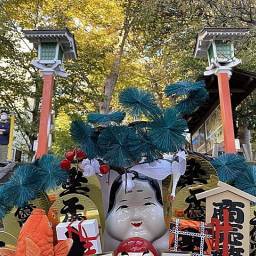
<point>237,203</point>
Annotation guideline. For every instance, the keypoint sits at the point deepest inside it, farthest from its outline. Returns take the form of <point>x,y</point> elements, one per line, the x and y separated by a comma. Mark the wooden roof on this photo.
<point>242,83</point>
<point>63,36</point>
<point>222,187</point>
<point>208,34</point>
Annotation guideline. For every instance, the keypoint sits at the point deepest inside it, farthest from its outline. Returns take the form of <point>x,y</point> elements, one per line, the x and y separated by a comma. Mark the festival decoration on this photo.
<point>183,88</point>
<point>72,207</point>
<point>229,166</point>
<point>138,102</point>
<point>86,137</point>
<point>65,164</point>
<point>237,202</point>
<point>29,180</point>
<point>97,118</point>
<point>253,234</point>
<point>137,213</point>
<point>85,236</point>
<point>194,236</point>
<point>134,150</point>
<point>16,217</point>
<point>176,254</point>
<point>130,159</point>
<point>221,234</point>
<point>136,245</point>
<point>23,186</point>
<point>53,176</point>
<point>36,238</point>
<point>124,145</point>
<point>247,180</point>
<point>199,176</point>
<point>104,169</point>
<point>196,95</point>
<point>192,102</point>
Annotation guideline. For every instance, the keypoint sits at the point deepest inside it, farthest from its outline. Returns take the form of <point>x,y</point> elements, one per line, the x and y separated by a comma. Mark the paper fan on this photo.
<point>229,166</point>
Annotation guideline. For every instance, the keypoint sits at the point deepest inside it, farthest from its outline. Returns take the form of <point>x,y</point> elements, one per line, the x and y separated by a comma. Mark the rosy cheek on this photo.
<point>122,215</point>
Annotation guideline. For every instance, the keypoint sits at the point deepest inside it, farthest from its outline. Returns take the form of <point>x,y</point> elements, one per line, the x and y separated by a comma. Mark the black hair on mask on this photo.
<point>118,182</point>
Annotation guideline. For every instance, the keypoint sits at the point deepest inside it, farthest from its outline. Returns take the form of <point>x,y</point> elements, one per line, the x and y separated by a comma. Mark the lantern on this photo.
<point>217,44</point>
<point>53,46</point>
<point>50,51</point>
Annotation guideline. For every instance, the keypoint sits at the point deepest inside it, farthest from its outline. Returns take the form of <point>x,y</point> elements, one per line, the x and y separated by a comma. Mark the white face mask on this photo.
<point>3,117</point>
<point>136,214</point>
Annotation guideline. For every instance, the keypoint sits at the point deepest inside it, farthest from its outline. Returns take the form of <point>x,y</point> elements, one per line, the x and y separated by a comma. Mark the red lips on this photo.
<point>136,224</point>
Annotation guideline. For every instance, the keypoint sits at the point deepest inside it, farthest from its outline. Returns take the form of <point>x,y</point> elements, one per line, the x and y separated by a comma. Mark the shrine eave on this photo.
<point>63,36</point>
<point>242,84</point>
<point>209,34</point>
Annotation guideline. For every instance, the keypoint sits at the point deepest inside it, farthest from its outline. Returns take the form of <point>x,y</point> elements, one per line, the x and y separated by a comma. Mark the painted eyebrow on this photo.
<point>123,200</point>
<point>148,197</point>
<point>140,190</point>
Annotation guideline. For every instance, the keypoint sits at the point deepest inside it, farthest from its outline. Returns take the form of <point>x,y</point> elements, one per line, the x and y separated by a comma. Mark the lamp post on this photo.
<point>53,46</point>
<point>217,44</point>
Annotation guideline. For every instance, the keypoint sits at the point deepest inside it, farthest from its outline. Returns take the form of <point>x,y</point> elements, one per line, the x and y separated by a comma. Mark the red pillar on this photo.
<point>226,111</point>
<point>48,83</point>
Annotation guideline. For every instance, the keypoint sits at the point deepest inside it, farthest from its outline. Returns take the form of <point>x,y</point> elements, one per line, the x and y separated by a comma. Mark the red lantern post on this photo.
<point>52,47</point>
<point>218,45</point>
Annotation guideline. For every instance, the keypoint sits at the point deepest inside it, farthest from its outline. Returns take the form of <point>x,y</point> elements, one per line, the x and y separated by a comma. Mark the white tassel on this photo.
<point>90,167</point>
<point>127,182</point>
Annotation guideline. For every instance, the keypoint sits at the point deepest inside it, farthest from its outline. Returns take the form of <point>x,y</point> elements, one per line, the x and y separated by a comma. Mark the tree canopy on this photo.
<point>120,43</point>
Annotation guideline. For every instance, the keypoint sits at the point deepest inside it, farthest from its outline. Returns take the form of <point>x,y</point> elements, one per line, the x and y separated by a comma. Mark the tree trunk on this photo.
<point>112,78</point>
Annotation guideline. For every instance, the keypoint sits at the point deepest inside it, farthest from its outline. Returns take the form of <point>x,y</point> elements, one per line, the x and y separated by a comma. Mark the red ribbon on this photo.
<point>85,240</point>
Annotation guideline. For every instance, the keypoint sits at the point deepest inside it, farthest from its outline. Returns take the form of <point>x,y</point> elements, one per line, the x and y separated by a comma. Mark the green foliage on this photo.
<point>52,175</point>
<point>119,145</point>
<point>192,101</point>
<point>62,138</point>
<point>167,132</point>
<point>247,180</point>
<point>23,185</point>
<point>86,136</point>
<point>229,166</point>
<point>97,118</point>
<point>138,102</point>
<point>183,88</point>
<point>29,180</point>
<point>156,50</point>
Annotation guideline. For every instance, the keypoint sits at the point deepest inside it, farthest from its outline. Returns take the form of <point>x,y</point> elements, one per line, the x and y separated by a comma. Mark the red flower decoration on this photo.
<point>65,164</point>
<point>70,155</point>
<point>104,169</point>
<point>80,154</point>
